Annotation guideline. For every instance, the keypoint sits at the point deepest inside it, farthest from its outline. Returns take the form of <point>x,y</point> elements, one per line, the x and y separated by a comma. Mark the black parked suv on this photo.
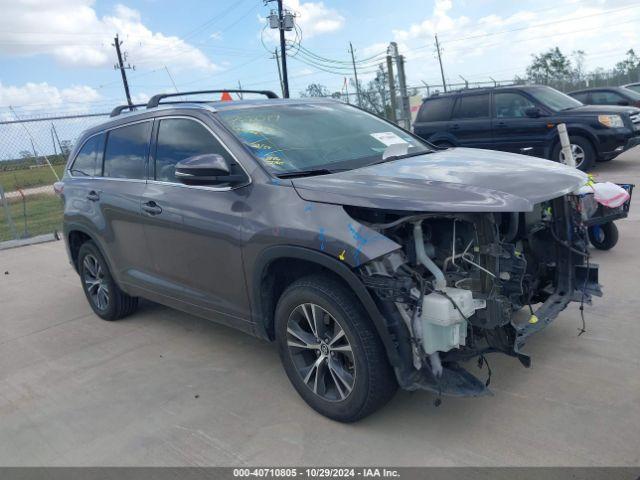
<point>523,119</point>
<point>372,259</point>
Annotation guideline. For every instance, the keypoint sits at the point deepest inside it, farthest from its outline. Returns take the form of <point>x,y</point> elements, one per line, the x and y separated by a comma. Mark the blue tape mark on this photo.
<point>276,181</point>
<point>322,239</point>
<point>309,207</point>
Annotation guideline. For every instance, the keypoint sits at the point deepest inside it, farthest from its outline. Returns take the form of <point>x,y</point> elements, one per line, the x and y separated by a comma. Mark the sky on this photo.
<point>57,55</point>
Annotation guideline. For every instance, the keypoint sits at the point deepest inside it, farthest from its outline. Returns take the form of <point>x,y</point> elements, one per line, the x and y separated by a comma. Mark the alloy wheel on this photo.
<point>95,282</point>
<point>578,154</point>
<point>321,352</point>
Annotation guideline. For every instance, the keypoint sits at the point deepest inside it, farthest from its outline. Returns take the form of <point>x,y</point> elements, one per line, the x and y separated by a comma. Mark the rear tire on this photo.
<point>604,237</point>
<point>106,299</point>
<point>319,324</point>
<point>580,146</point>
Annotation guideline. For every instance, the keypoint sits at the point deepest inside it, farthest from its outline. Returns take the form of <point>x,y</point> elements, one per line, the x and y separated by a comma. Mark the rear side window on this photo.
<point>435,110</point>
<point>180,138</point>
<point>88,162</point>
<point>472,106</point>
<point>583,97</point>
<point>126,152</point>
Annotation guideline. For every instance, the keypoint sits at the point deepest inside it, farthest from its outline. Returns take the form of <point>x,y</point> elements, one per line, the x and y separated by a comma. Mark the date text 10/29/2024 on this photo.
<point>320,472</point>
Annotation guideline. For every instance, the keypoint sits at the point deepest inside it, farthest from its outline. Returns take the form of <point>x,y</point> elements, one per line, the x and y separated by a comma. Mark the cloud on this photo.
<point>71,32</point>
<point>501,44</point>
<point>42,96</point>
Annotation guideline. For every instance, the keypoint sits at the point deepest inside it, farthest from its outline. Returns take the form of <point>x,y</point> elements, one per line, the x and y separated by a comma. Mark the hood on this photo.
<point>599,110</point>
<point>453,180</point>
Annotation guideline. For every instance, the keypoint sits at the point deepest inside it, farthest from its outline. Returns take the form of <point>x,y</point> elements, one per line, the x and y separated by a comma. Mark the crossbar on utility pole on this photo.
<point>355,74</point>
<point>121,67</point>
<point>444,83</point>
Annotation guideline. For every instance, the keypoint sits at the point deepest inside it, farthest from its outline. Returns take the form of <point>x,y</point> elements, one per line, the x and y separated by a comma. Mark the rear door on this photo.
<point>117,193</point>
<point>194,232</point>
<point>471,122</point>
<point>513,130</point>
<point>607,97</point>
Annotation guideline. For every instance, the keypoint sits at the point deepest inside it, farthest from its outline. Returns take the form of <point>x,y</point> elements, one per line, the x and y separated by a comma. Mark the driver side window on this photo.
<point>180,138</point>
<point>511,105</point>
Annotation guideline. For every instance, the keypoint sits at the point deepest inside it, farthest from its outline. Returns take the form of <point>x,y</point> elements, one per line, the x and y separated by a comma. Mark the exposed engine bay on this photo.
<point>450,294</point>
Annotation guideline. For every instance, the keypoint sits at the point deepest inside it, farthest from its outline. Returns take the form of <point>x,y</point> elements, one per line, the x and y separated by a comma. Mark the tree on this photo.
<point>549,66</point>
<point>315,90</point>
<point>578,72</point>
<point>629,65</point>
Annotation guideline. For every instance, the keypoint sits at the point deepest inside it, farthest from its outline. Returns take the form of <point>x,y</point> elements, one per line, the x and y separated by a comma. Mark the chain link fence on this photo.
<point>33,152</point>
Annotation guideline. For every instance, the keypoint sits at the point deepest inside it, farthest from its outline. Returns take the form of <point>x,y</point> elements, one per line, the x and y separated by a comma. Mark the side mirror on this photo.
<point>533,112</point>
<point>623,103</point>
<point>207,169</point>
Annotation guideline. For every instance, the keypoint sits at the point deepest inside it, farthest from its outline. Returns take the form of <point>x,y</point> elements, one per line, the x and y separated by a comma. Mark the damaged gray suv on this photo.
<point>372,259</point>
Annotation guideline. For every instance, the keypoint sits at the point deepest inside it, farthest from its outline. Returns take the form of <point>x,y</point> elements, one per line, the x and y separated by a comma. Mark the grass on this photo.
<point>30,177</point>
<point>44,215</point>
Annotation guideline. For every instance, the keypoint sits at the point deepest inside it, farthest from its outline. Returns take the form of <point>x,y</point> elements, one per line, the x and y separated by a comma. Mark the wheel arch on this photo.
<point>268,285</point>
<point>575,132</point>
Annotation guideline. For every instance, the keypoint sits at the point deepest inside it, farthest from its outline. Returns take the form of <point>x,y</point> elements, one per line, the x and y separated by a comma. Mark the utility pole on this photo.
<point>392,88</point>
<point>122,68</point>
<point>402,84</point>
<point>444,83</point>
<point>355,74</point>
<point>283,21</point>
<point>275,55</point>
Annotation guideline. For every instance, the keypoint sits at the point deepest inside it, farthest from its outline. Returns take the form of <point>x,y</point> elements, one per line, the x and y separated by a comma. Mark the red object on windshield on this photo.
<point>226,97</point>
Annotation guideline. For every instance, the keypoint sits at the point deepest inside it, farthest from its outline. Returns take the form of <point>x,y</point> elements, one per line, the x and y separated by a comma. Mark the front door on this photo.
<point>513,130</point>
<point>194,232</point>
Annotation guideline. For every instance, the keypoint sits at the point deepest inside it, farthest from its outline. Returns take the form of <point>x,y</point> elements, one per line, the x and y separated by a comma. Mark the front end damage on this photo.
<point>450,294</point>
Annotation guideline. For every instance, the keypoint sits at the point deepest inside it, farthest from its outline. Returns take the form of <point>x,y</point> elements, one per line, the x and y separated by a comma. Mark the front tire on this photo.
<point>106,299</point>
<point>583,152</point>
<point>330,350</point>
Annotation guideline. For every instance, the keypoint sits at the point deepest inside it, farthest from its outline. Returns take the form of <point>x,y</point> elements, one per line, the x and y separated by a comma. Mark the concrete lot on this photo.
<point>165,388</point>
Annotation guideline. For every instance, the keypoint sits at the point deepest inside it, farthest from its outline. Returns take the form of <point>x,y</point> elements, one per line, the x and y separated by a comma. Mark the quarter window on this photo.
<point>435,110</point>
<point>472,106</point>
<point>88,162</point>
<point>511,105</point>
<point>180,138</point>
<point>126,152</point>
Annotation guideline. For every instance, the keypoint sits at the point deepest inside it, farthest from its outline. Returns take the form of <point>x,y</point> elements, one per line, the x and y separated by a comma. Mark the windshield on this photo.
<point>553,99</point>
<point>292,138</point>
<point>635,88</point>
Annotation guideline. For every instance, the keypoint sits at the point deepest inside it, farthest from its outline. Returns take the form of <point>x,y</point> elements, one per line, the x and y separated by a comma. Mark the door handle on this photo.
<point>501,125</point>
<point>93,196</point>
<point>152,208</point>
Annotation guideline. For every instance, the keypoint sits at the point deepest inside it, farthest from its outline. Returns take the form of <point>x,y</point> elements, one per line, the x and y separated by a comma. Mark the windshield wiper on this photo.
<point>305,173</point>
<point>398,157</point>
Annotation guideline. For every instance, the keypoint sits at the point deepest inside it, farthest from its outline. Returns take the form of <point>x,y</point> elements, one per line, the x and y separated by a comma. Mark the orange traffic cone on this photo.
<point>226,97</point>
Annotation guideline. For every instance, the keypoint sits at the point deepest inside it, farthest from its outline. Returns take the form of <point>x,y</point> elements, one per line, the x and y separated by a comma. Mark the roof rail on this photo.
<point>121,108</point>
<point>155,100</point>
